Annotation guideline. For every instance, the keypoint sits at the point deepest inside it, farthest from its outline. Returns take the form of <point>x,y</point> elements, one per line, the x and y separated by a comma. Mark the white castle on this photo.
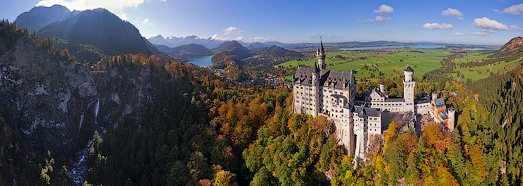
<point>321,92</point>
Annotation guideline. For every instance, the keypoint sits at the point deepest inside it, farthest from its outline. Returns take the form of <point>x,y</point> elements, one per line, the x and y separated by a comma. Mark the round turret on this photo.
<point>408,74</point>
<point>382,87</point>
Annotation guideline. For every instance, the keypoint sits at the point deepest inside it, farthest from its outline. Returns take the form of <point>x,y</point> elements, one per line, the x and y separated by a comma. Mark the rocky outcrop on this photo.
<point>59,103</point>
<point>514,44</point>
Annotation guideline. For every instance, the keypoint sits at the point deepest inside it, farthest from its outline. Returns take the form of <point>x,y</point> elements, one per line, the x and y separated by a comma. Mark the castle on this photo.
<point>321,92</point>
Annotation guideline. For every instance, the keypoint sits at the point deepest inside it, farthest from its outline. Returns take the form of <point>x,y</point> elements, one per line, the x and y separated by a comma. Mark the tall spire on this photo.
<point>316,66</point>
<point>321,46</point>
<point>320,55</point>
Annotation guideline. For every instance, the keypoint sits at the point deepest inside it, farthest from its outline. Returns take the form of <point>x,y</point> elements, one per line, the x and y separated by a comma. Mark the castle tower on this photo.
<point>408,90</point>
<point>451,120</point>
<point>382,88</point>
<point>434,97</point>
<point>320,55</point>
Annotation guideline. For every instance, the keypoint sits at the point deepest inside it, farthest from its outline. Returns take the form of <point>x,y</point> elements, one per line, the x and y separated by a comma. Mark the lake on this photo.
<point>395,46</point>
<point>203,61</point>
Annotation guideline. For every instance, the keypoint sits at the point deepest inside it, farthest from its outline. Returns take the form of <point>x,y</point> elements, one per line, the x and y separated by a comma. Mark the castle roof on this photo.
<point>409,69</point>
<point>378,91</point>
<point>365,111</point>
<point>443,115</point>
<point>327,78</point>
<point>440,102</point>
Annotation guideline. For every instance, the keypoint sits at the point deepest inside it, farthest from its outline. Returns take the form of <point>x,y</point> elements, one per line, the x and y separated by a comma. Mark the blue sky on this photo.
<point>451,21</point>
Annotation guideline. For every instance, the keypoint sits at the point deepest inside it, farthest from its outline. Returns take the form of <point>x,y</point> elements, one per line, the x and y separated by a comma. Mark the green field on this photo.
<point>481,72</point>
<point>389,64</point>
<point>471,56</point>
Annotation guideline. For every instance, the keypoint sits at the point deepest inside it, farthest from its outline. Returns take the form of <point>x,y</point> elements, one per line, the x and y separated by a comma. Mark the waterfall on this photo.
<point>96,109</point>
<point>81,122</point>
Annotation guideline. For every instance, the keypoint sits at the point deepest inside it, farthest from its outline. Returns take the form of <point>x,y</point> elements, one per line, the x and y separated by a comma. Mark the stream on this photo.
<point>79,169</point>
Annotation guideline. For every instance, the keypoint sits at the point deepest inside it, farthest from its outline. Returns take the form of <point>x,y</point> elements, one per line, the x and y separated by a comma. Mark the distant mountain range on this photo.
<point>179,41</point>
<point>88,35</point>
<point>210,43</point>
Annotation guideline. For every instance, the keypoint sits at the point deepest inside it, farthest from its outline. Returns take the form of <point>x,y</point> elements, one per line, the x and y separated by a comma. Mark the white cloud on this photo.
<point>260,39</point>
<point>481,33</point>
<point>222,38</point>
<point>437,26</point>
<point>115,6</point>
<point>229,33</point>
<point>217,37</point>
<point>232,31</point>
<point>147,22</point>
<point>514,9</point>
<point>459,33</point>
<point>487,23</point>
<point>452,12</point>
<point>384,9</point>
<point>377,19</point>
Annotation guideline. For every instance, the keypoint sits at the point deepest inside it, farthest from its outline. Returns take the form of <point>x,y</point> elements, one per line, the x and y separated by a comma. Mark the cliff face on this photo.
<point>58,103</point>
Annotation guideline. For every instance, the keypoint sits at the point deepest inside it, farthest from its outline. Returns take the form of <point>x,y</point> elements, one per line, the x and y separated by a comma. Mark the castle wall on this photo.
<point>332,102</point>
<point>422,108</point>
<point>304,99</point>
<point>391,106</point>
<point>374,124</point>
<point>360,130</point>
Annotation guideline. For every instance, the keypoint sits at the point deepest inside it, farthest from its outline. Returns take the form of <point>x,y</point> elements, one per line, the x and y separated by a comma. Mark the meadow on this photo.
<point>389,64</point>
<point>380,63</point>
<point>480,72</point>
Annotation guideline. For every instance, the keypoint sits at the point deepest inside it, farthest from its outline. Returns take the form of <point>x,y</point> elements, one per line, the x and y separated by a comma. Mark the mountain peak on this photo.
<point>39,17</point>
<point>514,44</point>
<point>233,48</point>
<point>91,33</point>
<point>159,36</point>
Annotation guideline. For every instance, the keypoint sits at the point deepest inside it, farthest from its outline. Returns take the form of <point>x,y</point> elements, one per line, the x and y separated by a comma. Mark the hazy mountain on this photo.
<point>256,45</point>
<point>276,51</point>
<point>39,17</point>
<point>230,48</point>
<point>169,42</point>
<point>162,48</point>
<point>90,33</point>
<point>178,41</point>
<point>189,50</point>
